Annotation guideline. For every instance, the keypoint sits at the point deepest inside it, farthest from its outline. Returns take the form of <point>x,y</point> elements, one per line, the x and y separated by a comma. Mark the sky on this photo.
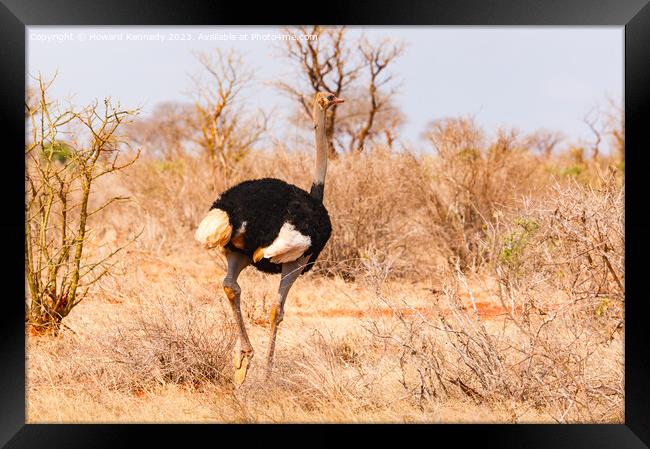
<point>523,77</point>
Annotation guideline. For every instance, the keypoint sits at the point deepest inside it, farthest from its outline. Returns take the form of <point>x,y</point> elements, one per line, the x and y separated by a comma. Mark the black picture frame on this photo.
<point>634,15</point>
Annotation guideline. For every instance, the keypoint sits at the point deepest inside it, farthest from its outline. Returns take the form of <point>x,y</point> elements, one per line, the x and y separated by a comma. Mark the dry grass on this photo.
<point>115,368</point>
<point>480,284</point>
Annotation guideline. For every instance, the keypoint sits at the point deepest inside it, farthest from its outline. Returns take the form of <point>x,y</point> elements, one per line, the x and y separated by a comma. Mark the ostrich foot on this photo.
<point>241,362</point>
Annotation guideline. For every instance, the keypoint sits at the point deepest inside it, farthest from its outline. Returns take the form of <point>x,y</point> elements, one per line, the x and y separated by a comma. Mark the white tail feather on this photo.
<point>214,230</point>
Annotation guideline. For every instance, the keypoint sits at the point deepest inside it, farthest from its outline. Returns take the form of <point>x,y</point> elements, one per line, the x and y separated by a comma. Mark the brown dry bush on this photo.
<point>573,242</point>
<point>370,202</point>
<point>558,349</point>
<point>170,339</point>
<point>409,214</point>
<point>466,182</point>
<point>552,364</point>
<point>178,344</point>
<point>330,372</point>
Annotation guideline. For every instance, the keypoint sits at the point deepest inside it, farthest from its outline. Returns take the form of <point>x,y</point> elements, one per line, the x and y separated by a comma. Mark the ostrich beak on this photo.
<point>338,100</point>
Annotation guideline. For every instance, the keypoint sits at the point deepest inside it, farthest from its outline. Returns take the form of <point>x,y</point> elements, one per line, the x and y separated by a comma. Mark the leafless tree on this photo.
<point>165,132</point>
<point>377,58</point>
<point>543,141</point>
<point>607,122</point>
<point>356,72</point>
<point>327,63</point>
<point>223,131</point>
<point>385,124</point>
<point>615,120</point>
<point>593,120</point>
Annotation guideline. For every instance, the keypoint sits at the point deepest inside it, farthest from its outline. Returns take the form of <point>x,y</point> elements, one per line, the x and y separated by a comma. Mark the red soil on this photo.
<point>485,310</point>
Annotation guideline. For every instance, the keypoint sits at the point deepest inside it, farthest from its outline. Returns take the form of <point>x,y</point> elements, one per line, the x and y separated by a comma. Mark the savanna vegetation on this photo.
<point>479,281</point>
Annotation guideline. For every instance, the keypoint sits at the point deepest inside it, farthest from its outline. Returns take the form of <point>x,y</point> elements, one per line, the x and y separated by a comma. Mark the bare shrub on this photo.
<point>60,177</point>
<point>467,182</point>
<point>326,370</point>
<point>370,225</point>
<point>543,142</point>
<point>551,363</point>
<point>179,344</point>
<point>558,349</point>
<point>172,338</point>
<point>572,242</point>
<point>422,363</point>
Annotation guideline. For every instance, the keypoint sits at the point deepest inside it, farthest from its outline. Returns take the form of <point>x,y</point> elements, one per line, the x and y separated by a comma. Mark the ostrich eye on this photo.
<point>330,98</point>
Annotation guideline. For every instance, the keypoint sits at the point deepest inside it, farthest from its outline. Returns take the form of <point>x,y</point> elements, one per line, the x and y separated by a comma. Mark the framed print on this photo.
<point>404,215</point>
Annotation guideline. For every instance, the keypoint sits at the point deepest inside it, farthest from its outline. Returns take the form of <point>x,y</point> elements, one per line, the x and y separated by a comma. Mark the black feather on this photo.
<point>317,191</point>
<point>265,205</point>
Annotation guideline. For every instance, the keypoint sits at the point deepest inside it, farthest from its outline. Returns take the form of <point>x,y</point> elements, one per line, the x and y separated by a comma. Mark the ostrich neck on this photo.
<point>321,152</point>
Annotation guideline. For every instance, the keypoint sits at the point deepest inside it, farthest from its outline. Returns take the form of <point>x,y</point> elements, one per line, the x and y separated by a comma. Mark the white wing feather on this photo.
<point>288,246</point>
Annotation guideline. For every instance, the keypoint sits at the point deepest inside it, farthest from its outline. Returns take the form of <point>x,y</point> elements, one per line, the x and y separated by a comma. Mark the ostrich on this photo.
<point>274,226</point>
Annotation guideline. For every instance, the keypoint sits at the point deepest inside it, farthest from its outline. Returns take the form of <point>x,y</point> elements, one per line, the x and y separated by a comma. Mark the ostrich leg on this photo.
<point>290,272</point>
<point>236,263</point>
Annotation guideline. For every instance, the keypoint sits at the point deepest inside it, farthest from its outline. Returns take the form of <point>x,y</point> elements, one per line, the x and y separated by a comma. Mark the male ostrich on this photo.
<point>274,226</point>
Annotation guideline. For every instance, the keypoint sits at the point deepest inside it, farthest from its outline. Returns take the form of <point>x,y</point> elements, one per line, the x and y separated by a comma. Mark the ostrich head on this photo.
<point>324,100</point>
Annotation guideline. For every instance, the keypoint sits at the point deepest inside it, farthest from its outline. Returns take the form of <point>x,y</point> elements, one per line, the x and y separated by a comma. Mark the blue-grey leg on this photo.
<point>236,263</point>
<point>290,272</point>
